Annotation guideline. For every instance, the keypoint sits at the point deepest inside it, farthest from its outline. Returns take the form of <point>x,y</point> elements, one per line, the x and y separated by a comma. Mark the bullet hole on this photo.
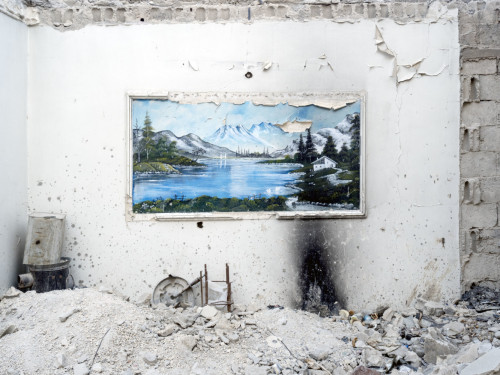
<point>248,75</point>
<point>190,9</point>
<point>37,242</point>
<point>199,224</point>
<point>142,19</point>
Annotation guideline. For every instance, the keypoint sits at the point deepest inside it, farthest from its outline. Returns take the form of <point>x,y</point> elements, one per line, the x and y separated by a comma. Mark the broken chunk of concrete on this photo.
<point>488,364</point>
<point>319,353</point>
<point>64,316</point>
<point>61,360</point>
<point>188,341</point>
<point>168,330</point>
<point>80,369</point>
<point>362,370</point>
<point>7,330</point>
<point>208,312</point>
<point>435,348</point>
<point>149,357</point>
<point>11,293</point>
<point>453,328</point>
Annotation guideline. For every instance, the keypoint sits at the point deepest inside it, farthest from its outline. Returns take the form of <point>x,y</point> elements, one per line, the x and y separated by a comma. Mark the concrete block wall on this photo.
<point>479,25</point>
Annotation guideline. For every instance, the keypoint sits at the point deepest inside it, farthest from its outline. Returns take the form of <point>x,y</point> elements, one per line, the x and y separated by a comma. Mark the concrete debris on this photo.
<point>63,317</point>
<point>12,293</point>
<point>488,364</point>
<point>195,340</point>
<point>149,357</point>
<point>61,360</point>
<point>80,369</point>
<point>6,330</point>
<point>208,312</point>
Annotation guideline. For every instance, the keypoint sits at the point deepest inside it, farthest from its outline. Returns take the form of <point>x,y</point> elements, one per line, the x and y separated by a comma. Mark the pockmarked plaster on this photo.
<point>13,189</point>
<point>406,247</point>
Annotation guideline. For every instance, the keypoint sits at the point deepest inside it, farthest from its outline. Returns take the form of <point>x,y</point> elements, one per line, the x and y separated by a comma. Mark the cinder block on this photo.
<point>483,215</point>
<point>470,89</point>
<point>489,138</point>
<point>481,267</point>
<point>200,15</point>
<point>488,241</point>
<point>490,189</point>
<point>488,35</point>
<point>372,10</point>
<point>470,138</point>
<point>490,87</point>
<point>471,191</point>
<point>479,164</point>
<point>481,66</point>
<point>485,113</point>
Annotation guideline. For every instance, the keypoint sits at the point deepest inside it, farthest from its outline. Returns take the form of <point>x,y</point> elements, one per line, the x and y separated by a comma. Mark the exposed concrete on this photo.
<point>480,143</point>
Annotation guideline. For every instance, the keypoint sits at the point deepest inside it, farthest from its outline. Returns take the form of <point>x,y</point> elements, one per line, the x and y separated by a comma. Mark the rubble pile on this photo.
<point>87,331</point>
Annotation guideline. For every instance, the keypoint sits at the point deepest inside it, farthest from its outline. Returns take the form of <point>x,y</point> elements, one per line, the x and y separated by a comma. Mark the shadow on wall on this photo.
<point>316,255</point>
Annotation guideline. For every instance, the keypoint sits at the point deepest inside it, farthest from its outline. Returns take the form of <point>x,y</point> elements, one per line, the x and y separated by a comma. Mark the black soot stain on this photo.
<point>316,270</point>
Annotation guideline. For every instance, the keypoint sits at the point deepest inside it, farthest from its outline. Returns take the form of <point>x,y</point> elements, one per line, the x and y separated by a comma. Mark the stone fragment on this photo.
<point>373,358</point>
<point>273,342</point>
<point>7,330</point>
<point>388,314</point>
<point>168,330</point>
<point>319,353</point>
<point>80,369</point>
<point>233,336</point>
<point>64,316</point>
<point>184,320</point>
<point>12,293</point>
<point>453,328</point>
<point>149,357</point>
<point>97,367</point>
<point>433,308</point>
<point>362,370</point>
<point>412,358</point>
<point>444,370</point>
<point>282,321</point>
<point>127,372</point>
<point>484,347</point>
<point>488,364</point>
<point>208,312</point>
<point>61,360</point>
<point>467,354</point>
<point>188,341</point>
<point>344,314</point>
<point>255,370</point>
<point>435,348</point>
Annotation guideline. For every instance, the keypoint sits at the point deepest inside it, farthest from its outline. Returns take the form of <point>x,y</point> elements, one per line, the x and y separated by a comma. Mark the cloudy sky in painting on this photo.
<point>205,118</point>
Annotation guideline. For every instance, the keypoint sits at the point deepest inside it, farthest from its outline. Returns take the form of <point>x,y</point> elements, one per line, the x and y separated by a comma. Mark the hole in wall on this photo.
<point>473,93</point>
<point>142,19</point>
<point>466,141</point>
<point>199,224</point>
<point>473,241</point>
<point>467,197</point>
<point>37,242</point>
<point>248,75</point>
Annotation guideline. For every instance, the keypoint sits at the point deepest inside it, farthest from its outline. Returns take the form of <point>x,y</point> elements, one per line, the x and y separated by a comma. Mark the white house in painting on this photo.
<point>323,163</point>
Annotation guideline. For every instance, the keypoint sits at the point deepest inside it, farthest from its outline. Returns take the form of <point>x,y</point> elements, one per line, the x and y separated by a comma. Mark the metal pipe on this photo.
<point>25,280</point>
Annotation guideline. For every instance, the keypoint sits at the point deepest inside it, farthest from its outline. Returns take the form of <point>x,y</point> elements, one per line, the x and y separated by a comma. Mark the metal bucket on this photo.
<point>51,276</point>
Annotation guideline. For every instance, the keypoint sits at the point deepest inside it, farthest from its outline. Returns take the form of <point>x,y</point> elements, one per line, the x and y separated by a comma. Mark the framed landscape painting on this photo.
<point>244,155</point>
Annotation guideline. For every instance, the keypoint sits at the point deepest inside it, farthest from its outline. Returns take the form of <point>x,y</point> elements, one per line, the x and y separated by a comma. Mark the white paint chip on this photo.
<point>193,65</point>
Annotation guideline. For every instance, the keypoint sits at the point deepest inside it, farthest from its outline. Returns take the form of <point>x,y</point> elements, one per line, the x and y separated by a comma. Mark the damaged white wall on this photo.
<point>13,100</point>
<point>406,247</point>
